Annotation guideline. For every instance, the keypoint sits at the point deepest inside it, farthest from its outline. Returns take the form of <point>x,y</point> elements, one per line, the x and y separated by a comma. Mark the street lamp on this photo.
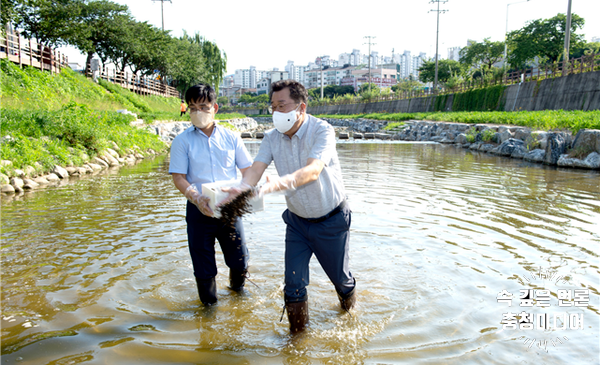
<point>506,31</point>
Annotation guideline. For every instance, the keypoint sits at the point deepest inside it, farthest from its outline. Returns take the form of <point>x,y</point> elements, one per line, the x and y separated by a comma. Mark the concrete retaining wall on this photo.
<point>573,92</point>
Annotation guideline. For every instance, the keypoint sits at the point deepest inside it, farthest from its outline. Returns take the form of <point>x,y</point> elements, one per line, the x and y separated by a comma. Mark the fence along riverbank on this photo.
<point>27,52</point>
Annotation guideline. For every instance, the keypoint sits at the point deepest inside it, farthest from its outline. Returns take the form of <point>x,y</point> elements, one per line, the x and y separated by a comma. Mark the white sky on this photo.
<point>268,33</point>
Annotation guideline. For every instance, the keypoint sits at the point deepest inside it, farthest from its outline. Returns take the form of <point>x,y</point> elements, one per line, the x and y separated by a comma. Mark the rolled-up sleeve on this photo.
<point>265,154</point>
<point>242,156</point>
<point>324,145</point>
<point>179,158</point>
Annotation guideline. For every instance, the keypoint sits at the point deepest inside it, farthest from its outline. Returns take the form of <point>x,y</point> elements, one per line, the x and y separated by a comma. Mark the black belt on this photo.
<point>335,211</point>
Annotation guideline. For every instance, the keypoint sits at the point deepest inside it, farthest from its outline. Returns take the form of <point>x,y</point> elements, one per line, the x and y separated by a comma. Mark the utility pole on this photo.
<point>321,64</point>
<point>162,12</point>
<point>567,39</point>
<point>437,35</point>
<point>370,43</point>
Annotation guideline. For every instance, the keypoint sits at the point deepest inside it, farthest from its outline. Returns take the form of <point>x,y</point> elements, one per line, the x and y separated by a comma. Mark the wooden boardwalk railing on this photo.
<point>30,53</point>
<point>143,85</point>
<point>27,52</point>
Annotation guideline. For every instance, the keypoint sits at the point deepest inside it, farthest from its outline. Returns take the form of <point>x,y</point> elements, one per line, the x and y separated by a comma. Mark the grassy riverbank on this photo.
<point>541,120</point>
<point>67,119</point>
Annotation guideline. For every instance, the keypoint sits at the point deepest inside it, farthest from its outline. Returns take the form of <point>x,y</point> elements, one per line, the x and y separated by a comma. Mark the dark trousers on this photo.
<point>328,240</point>
<point>202,232</point>
<point>181,114</point>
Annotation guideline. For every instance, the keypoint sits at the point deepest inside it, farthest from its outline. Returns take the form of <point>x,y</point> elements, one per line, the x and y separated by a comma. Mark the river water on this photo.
<point>97,270</point>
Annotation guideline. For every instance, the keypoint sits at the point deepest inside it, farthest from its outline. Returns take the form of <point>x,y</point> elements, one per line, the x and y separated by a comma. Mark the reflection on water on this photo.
<point>98,270</point>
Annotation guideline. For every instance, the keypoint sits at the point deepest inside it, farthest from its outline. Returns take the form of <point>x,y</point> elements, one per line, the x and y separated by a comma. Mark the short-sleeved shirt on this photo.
<point>206,159</point>
<point>314,139</point>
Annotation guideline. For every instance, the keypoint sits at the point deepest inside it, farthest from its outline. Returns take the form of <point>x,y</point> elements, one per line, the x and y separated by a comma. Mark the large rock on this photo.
<point>52,177</point>
<point>522,134</point>
<point>111,160</point>
<point>29,171</point>
<point>60,172</point>
<point>40,180</point>
<point>30,184</point>
<point>6,163</point>
<point>73,171</point>
<point>4,179</point>
<point>461,138</point>
<point>487,147</point>
<point>505,135</point>
<point>592,161</point>
<point>8,189</point>
<point>507,147</point>
<point>587,139</point>
<point>556,146</point>
<point>17,182</point>
<point>112,152</point>
<point>95,166</point>
<point>519,151</point>
<point>536,155</point>
<point>98,161</point>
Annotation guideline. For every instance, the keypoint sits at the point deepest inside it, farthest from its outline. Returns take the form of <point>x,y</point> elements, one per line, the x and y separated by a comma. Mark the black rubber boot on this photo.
<point>237,279</point>
<point>347,301</point>
<point>207,289</point>
<point>297,315</point>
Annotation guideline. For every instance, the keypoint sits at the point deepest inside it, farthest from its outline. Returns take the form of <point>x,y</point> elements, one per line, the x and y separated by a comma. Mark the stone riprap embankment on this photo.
<point>167,131</point>
<point>30,178</point>
<point>549,147</point>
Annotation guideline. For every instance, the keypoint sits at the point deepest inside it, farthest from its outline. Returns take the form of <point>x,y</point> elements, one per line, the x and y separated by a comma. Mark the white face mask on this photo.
<point>201,119</point>
<point>285,121</point>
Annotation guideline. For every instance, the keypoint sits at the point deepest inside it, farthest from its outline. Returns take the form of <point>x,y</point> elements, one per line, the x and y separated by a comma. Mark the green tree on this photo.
<point>407,85</point>
<point>50,22</point>
<point>223,101</point>
<point>478,55</point>
<point>586,49</point>
<point>215,61</point>
<point>100,28</point>
<point>363,88</point>
<point>331,91</point>
<point>542,38</point>
<point>446,69</point>
<point>186,66</point>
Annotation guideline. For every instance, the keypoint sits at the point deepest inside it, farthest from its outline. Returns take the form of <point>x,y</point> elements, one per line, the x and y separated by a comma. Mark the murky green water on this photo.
<point>97,271</point>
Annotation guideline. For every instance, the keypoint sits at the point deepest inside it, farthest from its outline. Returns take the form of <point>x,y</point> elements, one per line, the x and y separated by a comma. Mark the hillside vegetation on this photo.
<point>66,119</point>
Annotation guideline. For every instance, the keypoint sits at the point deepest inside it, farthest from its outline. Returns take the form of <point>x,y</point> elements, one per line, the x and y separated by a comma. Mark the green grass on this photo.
<point>393,125</point>
<point>68,136</point>
<point>33,89</point>
<point>66,119</point>
<point>572,120</point>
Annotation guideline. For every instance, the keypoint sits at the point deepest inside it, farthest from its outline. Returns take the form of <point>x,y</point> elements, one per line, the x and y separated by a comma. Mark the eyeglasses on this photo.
<point>204,108</point>
<point>279,108</point>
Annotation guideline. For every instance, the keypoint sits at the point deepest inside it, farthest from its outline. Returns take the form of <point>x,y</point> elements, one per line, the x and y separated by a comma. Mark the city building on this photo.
<point>454,53</point>
<point>382,77</point>
<point>331,76</point>
<point>295,72</point>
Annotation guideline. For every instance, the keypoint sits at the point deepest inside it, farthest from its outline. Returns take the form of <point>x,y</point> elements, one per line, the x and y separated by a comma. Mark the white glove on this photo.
<point>201,201</point>
<point>276,183</point>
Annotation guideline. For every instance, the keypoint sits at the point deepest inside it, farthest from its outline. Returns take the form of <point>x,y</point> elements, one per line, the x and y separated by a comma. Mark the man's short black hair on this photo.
<point>200,92</point>
<point>297,91</point>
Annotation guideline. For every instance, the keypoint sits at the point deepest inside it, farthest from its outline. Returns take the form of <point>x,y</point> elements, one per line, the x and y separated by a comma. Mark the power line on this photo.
<point>437,35</point>
<point>370,43</point>
<point>162,12</point>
